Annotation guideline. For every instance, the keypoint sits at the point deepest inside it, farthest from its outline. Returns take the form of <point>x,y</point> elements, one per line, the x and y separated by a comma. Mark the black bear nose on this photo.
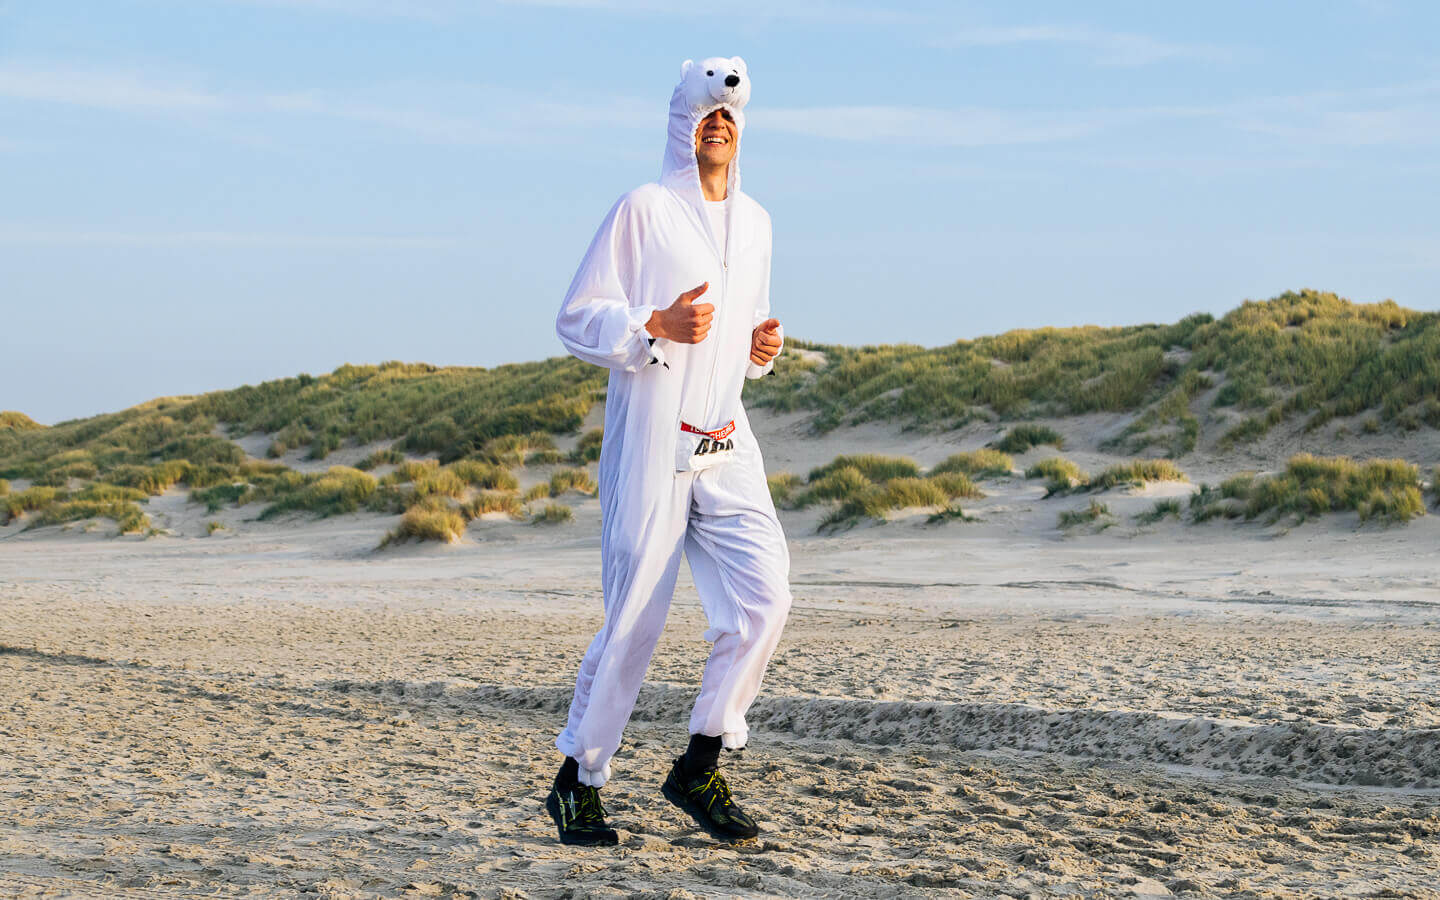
<point>732,80</point>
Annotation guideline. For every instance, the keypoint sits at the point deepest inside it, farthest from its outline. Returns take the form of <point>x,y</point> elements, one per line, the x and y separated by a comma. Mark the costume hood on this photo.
<point>704,87</point>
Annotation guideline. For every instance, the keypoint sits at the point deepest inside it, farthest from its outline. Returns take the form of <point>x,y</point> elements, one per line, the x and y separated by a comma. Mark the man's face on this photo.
<point>717,139</point>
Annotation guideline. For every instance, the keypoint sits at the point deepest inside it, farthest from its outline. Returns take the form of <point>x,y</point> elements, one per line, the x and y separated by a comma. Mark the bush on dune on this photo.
<point>128,517</point>
<point>507,502</point>
<point>1060,474</point>
<point>340,490</point>
<point>577,480</point>
<point>1137,472</point>
<point>588,449</point>
<point>873,466</point>
<point>486,476</point>
<point>782,486</point>
<point>388,456</point>
<point>977,464</point>
<point>1094,513</point>
<point>430,521</point>
<point>1023,437</point>
<point>553,514</point>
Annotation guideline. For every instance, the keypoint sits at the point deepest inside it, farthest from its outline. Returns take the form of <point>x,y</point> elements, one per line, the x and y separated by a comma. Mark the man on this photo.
<point>673,297</point>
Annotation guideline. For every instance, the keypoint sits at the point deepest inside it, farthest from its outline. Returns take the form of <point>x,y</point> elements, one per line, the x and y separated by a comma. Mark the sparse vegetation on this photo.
<point>1387,490</point>
<point>487,476</point>
<point>507,502</point>
<point>1136,472</point>
<point>4,487</point>
<point>1060,474</point>
<point>984,463</point>
<point>588,449</point>
<point>1297,361</point>
<point>129,518</point>
<point>535,492</point>
<point>872,466</point>
<point>782,486</point>
<point>553,514</point>
<point>1096,513</point>
<point>212,526</point>
<point>1023,437</point>
<point>340,490</point>
<point>1163,509</point>
<point>388,456</point>
<point>579,480</point>
<point>18,421</point>
<point>430,521</point>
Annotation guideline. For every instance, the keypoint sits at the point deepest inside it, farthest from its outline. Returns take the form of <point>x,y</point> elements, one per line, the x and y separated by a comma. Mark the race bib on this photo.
<point>697,449</point>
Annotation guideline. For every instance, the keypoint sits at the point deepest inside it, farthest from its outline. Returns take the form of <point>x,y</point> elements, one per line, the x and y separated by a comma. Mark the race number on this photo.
<point>698,449</point>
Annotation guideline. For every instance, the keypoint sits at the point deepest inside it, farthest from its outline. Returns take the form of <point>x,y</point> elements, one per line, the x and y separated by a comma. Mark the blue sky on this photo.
<point>201,194</point>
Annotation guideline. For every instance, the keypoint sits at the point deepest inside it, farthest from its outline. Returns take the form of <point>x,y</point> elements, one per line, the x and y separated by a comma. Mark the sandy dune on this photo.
<point>974,709</point>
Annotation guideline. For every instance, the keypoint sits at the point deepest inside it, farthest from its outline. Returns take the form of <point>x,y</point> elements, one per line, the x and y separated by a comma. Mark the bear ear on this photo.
<point>739,64</point>
<point>685,68</point>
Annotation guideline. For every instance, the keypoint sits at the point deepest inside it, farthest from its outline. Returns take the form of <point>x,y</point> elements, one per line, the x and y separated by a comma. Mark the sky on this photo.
<point>199,194</point>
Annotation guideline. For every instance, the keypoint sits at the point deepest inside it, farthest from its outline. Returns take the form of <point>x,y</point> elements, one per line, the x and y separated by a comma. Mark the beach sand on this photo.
<point>986,708</point>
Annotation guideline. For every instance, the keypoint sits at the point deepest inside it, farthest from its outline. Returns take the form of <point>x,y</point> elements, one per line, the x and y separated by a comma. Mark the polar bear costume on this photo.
<point>657,497</point>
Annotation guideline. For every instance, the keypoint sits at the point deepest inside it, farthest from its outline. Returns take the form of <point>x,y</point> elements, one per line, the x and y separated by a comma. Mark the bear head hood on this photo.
<point>704,87</point>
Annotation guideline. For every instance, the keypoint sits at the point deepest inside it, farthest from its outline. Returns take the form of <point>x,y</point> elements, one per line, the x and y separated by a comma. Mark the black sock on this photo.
<point>703,753</point>
<point>569,772</point>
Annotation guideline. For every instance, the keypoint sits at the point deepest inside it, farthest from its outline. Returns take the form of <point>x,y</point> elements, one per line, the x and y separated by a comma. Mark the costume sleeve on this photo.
<point>599,322</point>
<point>762,312</point>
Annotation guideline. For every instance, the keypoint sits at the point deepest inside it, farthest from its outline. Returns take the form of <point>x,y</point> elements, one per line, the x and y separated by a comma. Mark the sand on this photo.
<point>988,708</point>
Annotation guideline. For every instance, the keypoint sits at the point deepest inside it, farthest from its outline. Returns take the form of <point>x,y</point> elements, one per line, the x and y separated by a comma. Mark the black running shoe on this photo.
<point>706,797</point>
<point>578,814</point>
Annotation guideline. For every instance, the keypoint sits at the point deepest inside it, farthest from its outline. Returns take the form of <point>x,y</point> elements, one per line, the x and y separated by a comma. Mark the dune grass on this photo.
<point>588,449</point>
<point>1060,474</point>
<point>1136,472</point>
<point>1096,513</point>
<point>4,487</point>
<point>487,476</point>
<point>18,421</point>
<point>128,517</point>
<point>1026,435</point>
<point>783,486</point>
<point>876,501</point>
<point>1385,490</point>
<point>507,502</point>
<point>1163,509</point>
<point>341,489</point>
<point>872,466</point>
<point>983,463</point>
<point>430,521</point>
<point>388,456</point>
<point>1303,357</point>
<point>519,449</point>
<point>553,514</point>
<point>578,480</point>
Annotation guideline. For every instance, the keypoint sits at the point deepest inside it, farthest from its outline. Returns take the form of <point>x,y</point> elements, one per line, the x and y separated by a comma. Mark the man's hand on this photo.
<point>684,321</point>
<point>765,341</point>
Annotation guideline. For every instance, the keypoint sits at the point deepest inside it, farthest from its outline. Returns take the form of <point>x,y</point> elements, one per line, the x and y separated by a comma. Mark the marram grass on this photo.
<point>983,463</point>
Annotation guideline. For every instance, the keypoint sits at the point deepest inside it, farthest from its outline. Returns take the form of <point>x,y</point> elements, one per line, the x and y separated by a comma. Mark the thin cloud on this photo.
<point>965,127</point>
<point>1111,48</point>
<point>102,89</point>
<point>16,235</point>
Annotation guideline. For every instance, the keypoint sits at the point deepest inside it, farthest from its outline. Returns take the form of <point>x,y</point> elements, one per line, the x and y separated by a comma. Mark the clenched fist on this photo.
<point>683,321</point>
<point>765,342</point>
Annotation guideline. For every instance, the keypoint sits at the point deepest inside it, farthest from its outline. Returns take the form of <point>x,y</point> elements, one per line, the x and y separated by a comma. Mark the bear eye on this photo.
<point>709,73</point>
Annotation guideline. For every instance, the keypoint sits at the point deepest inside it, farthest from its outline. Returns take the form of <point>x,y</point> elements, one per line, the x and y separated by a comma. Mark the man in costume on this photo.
<point>673,296</point>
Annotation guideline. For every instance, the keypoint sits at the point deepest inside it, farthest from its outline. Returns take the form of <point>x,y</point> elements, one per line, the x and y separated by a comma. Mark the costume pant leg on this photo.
<point>741,566</point>
<point>640,555</point>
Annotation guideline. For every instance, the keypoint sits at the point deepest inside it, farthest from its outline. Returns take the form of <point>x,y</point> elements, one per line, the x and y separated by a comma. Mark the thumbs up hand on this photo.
<point>765,342</point>
<point>684,321</point>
